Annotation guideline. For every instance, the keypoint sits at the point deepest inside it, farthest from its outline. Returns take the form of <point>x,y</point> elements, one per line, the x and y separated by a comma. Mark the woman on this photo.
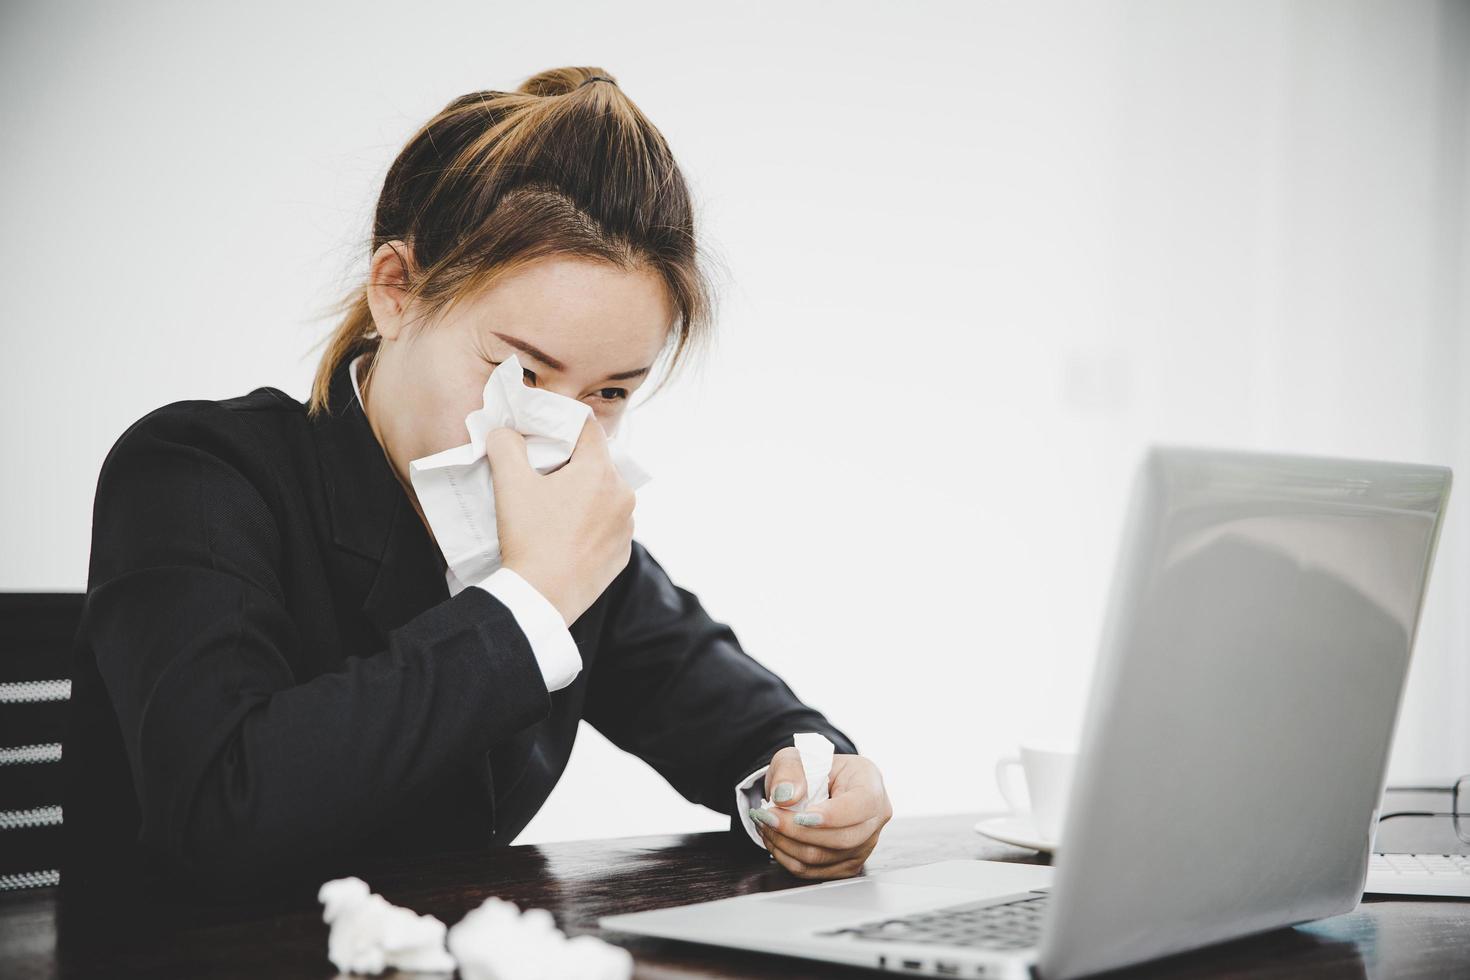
<point>271,675</point>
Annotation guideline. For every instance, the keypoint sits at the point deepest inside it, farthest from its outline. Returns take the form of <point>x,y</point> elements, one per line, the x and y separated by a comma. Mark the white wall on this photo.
<point>978,257</point>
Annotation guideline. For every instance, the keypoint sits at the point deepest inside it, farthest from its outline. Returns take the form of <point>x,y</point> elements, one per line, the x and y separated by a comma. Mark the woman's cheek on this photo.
<point>609,416</point>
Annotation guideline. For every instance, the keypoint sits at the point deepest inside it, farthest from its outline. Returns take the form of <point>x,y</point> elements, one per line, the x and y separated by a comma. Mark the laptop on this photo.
<point>1234,747</point>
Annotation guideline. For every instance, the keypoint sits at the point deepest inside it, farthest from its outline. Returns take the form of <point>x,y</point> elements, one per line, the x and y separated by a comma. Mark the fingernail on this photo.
<point>808,819</point>
<point>784,792</point>
<point>764,816</point>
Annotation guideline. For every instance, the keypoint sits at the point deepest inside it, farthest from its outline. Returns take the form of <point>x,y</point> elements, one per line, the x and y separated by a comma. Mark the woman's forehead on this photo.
<point>575,319</point>
<point>572,290</point>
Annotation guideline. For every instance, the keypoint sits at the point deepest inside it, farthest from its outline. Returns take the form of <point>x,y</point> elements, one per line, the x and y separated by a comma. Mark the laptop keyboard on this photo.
<point>1014,924</point>
<point>1443,875</point>
<point>1451,865</point>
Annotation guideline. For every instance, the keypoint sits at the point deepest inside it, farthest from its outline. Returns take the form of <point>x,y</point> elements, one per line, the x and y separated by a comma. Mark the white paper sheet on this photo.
<point>454,486</point>
<point>816,766</point>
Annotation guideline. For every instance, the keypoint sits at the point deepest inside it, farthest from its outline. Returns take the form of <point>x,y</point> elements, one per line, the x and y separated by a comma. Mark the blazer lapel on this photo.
<point>410,577</point>
<point>388,555</point>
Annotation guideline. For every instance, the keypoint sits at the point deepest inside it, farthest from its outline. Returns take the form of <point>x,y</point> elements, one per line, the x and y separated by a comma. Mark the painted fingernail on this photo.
<point>808,819</point>
<point>764,816</point>
<point>784,792</point>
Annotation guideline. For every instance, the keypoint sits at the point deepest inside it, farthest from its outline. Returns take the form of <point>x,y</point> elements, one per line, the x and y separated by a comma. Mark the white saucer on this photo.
<point>1018,829</point>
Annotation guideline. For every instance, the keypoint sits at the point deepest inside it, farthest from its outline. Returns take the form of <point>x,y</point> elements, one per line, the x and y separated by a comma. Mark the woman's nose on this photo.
<point>563,390</point>
<point>609,427</point>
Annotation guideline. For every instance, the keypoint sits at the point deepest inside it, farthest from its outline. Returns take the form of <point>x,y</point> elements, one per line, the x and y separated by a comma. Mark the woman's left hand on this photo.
<point>830,839</point>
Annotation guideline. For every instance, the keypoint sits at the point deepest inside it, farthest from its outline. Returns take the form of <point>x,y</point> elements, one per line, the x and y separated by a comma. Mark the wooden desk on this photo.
<point>582,880</point>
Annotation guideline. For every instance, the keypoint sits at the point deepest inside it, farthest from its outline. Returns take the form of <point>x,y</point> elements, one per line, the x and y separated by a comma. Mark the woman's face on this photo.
<point>581,328</point>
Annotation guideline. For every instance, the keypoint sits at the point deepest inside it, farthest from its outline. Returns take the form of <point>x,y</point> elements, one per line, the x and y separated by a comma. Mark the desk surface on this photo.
<point>580,881</point>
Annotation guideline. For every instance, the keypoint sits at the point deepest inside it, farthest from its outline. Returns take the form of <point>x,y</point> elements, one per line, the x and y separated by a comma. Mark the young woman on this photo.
<point>271,674</point>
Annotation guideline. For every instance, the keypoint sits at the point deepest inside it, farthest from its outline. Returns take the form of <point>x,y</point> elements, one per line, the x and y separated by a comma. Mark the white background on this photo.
<point>972,258</point>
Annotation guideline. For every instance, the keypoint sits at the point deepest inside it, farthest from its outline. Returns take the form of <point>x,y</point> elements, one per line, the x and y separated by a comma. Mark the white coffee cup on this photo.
<point>1048,772</point>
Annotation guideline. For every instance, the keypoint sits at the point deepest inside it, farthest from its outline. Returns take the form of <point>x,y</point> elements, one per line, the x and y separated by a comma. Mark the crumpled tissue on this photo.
<point>816,766</point>
<point>496,941</point>
<point>454,486</point>
<point>369,934</point>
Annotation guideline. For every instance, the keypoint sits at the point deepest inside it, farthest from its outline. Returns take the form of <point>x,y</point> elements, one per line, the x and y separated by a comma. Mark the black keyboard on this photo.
<point>1008,924</point>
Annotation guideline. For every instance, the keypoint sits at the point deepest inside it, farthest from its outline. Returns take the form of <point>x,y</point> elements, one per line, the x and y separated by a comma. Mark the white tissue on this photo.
<point>454,486</point>
<point>816,766</point>
<point>498,942</point>
<point>369,934</point>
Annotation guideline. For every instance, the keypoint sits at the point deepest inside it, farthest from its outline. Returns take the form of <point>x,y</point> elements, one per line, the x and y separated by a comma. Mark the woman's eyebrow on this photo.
<point>625,375</point>
<point>556,365</point>
<point>526,348</point>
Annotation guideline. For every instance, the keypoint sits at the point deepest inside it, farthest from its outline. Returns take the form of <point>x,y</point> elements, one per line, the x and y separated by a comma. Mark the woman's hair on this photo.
<point>497,180</point>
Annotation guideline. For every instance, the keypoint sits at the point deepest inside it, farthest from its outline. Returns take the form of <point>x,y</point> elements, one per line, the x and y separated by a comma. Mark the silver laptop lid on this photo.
<point>1236,739</point>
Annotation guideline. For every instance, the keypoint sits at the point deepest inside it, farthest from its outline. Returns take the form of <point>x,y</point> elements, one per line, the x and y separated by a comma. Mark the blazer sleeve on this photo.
<point>673,686</point>
<point>240,765</point>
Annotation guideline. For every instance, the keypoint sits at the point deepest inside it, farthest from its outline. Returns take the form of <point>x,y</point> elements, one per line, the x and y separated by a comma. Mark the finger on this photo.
<point>799,825</point>
<point>852,770</point>
<point>785,780</point>
<point>818,855</point>
<point>846,807</point>
<point>788,849</point>
<point>796,867</point>
<point>842,869</point>
<point>588,442</point>
<point>505,448</point>
<point>834,838</point>
<point>790,864</point>
<point>807,854</point>
<point>848,868</point>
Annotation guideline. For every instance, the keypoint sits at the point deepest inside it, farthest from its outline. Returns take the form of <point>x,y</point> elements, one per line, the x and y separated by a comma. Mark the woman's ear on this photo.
<point>387,287</point>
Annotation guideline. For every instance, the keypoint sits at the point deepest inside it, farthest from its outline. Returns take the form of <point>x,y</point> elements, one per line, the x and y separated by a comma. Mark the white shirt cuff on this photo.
<point>748,795</point>
<point>551,642</point>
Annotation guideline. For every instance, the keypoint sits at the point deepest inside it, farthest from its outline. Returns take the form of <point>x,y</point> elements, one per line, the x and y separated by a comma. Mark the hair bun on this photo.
<point>563,81</point>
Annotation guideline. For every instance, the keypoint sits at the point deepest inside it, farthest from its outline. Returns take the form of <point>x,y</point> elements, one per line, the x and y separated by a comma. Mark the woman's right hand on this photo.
<point>570,532</point>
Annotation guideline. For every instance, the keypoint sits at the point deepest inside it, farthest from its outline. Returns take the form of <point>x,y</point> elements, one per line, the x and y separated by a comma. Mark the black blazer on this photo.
<point>270,677</point>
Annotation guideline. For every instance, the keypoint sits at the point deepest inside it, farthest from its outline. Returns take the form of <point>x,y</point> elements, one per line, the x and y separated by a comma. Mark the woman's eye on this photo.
<point>606,394</point>
<point>526,372</point>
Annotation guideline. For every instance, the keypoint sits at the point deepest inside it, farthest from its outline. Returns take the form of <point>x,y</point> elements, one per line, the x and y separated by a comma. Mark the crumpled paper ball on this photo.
<point>369,934</point>
<point>496,941</point>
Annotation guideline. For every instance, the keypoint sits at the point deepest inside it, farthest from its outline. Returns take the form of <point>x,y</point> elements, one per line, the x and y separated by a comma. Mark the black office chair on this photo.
<point>36,631</point>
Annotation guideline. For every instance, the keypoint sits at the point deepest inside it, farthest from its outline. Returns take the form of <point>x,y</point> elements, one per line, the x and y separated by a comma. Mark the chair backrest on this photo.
<point>36,632</point>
